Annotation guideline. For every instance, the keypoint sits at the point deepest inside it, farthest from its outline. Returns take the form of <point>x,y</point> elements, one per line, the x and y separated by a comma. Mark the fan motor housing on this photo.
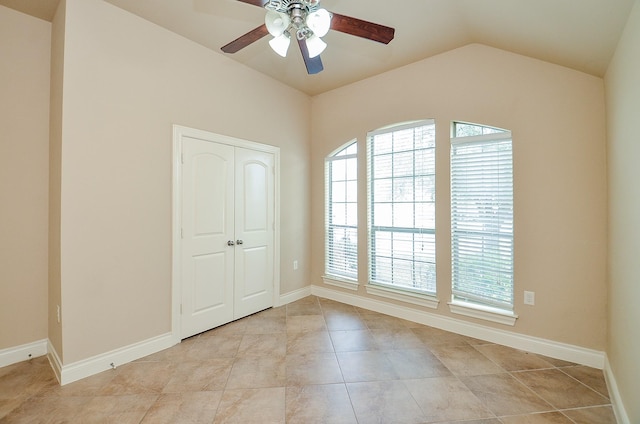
<point>285,6</point>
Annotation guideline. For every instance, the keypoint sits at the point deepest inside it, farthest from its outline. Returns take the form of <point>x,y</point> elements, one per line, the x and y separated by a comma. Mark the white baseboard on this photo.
<point>87,367</point>
<point>614,393</point>
<point>99,363</point>
<point>293,296</point>
<point>109,360</point>
<point>54,360</point>
<point>566,352</point>
<point>23,352</point>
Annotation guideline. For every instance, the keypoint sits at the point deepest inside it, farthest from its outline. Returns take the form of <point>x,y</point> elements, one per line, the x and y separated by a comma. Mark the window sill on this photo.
<point>342,282</point>
<point>403,295</point>
<point>483,312</point>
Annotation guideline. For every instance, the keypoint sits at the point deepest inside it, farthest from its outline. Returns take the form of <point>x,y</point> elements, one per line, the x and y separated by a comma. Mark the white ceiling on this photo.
<point>579,34</point>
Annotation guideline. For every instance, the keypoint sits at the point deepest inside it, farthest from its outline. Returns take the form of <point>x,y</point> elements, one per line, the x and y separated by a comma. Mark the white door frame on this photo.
<point>176,281</point>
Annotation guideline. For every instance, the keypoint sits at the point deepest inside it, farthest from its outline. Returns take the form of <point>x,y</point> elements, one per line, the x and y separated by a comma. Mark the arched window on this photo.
<point>401,197</point>
<point>341,214</point>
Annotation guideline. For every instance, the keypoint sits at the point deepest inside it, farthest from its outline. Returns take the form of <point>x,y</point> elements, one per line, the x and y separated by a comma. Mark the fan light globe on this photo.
<point>315,46</point>
<point>280,44</point>
<point>319,22</point>
<point>276,22</point>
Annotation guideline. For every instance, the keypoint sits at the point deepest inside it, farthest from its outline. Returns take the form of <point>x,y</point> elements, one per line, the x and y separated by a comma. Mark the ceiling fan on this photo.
<point>308,23</point>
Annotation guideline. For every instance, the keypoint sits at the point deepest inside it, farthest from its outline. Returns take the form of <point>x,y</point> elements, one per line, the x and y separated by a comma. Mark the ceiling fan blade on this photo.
<point>259,3</point>
<point>359,28</point>
<point>244,40</point>
<point>313,64</point>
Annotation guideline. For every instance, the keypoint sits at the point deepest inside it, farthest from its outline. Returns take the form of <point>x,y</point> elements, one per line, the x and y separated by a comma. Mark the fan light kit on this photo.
<point>299,19</point>
<point>308,23</point>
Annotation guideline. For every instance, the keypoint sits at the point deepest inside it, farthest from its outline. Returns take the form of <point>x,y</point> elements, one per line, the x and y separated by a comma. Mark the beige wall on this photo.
<point>55,174</point>
<point>122,82</point>
<point>24,122</point>
<point>623,107</point>
<point>557,119</point>
<point>126,81</point>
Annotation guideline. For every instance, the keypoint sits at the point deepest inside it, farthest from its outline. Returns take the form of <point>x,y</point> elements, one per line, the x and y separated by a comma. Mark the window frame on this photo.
<point>332,274</point>
<point>465,302</point>
<point>377,287</point>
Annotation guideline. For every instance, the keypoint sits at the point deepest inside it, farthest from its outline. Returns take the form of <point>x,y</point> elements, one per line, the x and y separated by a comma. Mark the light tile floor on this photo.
<point>317,361</point>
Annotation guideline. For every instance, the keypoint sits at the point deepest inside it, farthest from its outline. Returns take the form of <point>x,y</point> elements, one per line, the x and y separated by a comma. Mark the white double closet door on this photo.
<point>227,240</point>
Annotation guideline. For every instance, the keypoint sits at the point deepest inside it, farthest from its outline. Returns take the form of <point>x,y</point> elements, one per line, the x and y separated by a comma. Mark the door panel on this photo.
<point>255,192</point>
<point>209,213</point>
<point>206,294</point>
<point>253,282</point>
<point>207,226</point>
<point>254,224</point>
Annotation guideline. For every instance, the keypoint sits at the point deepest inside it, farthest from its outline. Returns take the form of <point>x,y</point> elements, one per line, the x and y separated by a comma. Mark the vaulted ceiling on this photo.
<point>579,34</point>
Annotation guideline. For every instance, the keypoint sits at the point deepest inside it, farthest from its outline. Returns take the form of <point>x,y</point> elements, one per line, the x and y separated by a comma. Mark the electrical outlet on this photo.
<point>295,265</point>
<point>529,298</point>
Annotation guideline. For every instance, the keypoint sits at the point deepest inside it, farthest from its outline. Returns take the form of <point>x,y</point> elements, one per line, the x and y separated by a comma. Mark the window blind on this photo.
<point>341,215</point>
<point>482,219</point>
<point>401,207</point>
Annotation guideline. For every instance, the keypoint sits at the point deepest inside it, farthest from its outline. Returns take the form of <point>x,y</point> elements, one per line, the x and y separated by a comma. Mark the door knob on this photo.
<point>239,242</point>
<point>230,243</point>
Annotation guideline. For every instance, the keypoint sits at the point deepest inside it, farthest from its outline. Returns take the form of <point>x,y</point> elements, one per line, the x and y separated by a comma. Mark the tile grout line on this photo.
<point>335,353</point>
<point>608,398</point>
